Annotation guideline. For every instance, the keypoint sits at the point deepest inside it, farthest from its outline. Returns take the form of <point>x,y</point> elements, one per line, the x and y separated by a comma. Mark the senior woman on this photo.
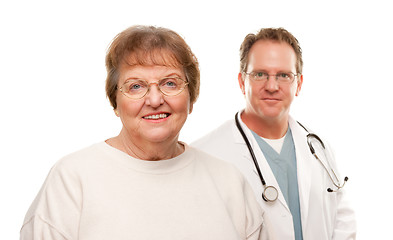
<point>144,183</point>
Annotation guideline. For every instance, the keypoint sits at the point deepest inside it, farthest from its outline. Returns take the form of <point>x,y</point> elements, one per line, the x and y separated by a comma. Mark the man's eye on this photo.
<point>283,75</point>
<point>260,74</point>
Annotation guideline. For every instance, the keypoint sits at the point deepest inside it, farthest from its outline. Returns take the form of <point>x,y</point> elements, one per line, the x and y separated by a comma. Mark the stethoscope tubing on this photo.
<point>270,193</point>
<point>337,184</point>
<point>250,149</point>
<point>310,135</point>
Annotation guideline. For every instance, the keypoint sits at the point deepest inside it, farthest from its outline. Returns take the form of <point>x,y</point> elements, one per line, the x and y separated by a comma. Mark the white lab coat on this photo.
<point>324,215</point>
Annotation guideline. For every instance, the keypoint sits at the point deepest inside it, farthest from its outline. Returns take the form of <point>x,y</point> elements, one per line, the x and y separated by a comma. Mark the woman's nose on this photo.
<point>154,97</point>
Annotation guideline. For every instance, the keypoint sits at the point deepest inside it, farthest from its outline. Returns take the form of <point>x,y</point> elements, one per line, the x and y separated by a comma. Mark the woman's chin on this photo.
<point>160,136</point>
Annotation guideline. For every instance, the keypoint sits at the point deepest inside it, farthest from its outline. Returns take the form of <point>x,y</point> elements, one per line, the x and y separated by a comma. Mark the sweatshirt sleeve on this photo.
<point>55,212</point>
<point>38,228</point>
<point>255,229</point>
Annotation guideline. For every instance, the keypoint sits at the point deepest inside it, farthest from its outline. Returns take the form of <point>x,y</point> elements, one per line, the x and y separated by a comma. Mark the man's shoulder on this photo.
<point>218,135</point>
<point>221,142</point>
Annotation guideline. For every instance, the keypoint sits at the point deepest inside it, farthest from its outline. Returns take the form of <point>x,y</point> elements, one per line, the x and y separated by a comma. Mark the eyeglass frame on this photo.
<point>269,75</point>
<point>158,87</point>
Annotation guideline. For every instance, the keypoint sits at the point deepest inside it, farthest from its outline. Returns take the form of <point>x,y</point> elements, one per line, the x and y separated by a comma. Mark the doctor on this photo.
<point>301,207</point>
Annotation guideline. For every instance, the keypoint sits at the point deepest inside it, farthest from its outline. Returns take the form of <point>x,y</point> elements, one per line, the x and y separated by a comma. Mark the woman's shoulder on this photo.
<point>81,157</point>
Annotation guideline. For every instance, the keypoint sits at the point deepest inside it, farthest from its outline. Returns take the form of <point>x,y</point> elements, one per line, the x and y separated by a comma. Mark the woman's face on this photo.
<point>155,118</point>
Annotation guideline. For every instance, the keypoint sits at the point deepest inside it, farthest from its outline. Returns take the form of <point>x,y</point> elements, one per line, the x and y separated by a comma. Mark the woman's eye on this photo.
<point>169,83</point>
<point>135,86</point>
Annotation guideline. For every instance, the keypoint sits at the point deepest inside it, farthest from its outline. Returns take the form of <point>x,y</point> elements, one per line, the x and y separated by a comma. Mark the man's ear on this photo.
<point>299,85</point>
<point>241,82</point>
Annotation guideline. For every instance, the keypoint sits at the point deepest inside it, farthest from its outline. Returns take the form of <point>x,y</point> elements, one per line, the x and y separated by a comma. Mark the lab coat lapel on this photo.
<point>304,170</point>
<point>267,173</point>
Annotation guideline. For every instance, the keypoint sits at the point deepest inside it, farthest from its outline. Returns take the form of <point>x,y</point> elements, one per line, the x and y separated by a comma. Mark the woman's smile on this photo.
<point>156,117</point>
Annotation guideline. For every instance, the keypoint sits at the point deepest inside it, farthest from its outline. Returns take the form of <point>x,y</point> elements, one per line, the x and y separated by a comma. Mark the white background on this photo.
<point>53,102</point>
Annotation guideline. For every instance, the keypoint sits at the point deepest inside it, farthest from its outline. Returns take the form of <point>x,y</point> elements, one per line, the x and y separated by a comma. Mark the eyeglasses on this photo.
<point>138,88</point>
<point>281,78</point>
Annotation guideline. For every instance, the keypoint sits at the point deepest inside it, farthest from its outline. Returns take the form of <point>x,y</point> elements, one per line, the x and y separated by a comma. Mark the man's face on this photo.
<point>270,100</point>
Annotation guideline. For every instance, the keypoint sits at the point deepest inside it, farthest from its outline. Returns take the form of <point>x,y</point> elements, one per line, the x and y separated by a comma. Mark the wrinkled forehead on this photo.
<point>160,57</point>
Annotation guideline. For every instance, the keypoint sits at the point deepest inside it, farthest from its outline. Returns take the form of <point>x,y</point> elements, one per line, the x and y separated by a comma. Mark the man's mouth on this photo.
<point>157,116</point>
<point>271,99</point>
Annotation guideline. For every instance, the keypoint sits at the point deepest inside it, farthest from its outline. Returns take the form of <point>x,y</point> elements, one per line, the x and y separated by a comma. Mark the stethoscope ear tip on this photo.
<point>338,186</point>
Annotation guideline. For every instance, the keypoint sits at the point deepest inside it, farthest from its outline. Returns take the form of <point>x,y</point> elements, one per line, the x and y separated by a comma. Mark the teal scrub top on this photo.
<point>284,168</point>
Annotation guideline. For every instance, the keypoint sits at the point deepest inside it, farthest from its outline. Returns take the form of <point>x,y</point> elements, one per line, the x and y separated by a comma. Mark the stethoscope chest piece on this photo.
<point>270,194</point>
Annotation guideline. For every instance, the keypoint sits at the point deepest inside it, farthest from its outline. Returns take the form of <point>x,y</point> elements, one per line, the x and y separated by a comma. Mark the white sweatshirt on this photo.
<point>103,193</point>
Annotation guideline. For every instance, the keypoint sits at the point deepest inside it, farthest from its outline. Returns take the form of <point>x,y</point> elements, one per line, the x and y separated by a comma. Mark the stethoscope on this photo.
<point>270,193</point>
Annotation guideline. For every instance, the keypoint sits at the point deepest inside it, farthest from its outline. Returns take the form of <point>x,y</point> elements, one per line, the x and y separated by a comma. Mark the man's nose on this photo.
<point>271,84</point>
